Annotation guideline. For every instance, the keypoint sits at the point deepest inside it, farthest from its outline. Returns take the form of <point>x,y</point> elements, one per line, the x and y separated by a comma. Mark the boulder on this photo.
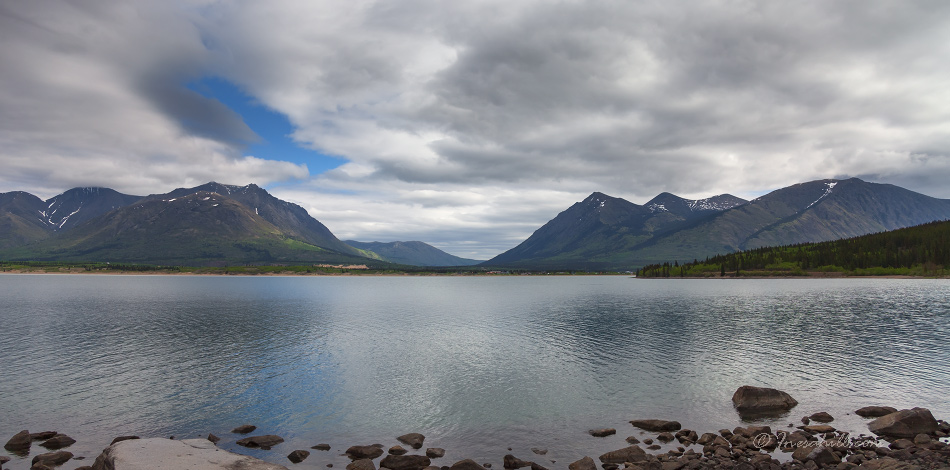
<point>585,463</point>
<point>435,452</point>
<point>397,450</point>
<point>264,442</point>
<point>4,459</point>
<point>58,441</point>
<point>125,438</point>
<point>904,423</point>
<point>19,443</point>
<point>53,459</point>
<point>298,456</point>
<point>875,411</point>
<point>364,452</point>
<point>157,453</point>
<point>213,439</point>
<point>539,451</point>
<point>627,454</point>
<point>511,462</point>
<point>413,439</point>
<point>749,400</point>
<point>405,462</point>
<point>823,456</point>
<point>361,464</point>
<point>656,425</point>
<point>818,428</point>
<point>42,436</point>
<point>467,464</point>
<point>665,437</point>
<point>602,432</point>
<point>822,417</point>
<point>321,447</point>
<point>244,429</point>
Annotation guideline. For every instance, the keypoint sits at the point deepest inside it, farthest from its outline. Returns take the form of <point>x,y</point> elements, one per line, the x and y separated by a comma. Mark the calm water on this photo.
<point>477,364</point>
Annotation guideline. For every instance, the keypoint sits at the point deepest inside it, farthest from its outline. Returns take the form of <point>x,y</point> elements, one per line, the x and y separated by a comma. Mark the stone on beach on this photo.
<point>467,464</point>
<point>364,452</point>
<point>749,400</point>
<point>321,447</point>
<point>397,450</point>
<point>435,452</point>
<point>405,462</point>
<point>818,428</point>
<point>244,429</point>
<point>361,464</point>
<point>158,453</point>
<point>627,454</point>
<point>510,462</point>
<point>52,459</point>
<point>58,441</point>
<point>125,438</point>
<point>822,417</point>
<point>602,432</point>
<point>904,423</point>
<point>875,411</point>
<point>298,456</point>
<point>413,439</point>
<point>213,438</point>
<point>585,463</point>
<point>264,442</point>
<point>42,436</point>
<point>656,425</point>
<point>20,442</point>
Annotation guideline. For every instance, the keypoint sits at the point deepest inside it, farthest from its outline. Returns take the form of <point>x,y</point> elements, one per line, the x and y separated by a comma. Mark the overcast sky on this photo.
<point>469,124</point>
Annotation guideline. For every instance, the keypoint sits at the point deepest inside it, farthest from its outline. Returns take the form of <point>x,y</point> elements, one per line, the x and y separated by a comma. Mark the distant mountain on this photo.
<point>591,233</point>
<point>192,226</point>
<point>412,253</point>
<point>21,219</point>
<point>78,205</point>
<point>603,232</point>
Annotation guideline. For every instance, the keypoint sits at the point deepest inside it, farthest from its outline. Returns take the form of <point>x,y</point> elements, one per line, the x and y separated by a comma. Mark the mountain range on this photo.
<point>224,224</point>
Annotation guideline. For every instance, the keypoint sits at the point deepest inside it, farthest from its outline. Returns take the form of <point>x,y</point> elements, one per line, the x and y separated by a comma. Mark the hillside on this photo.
<point>413,253</point>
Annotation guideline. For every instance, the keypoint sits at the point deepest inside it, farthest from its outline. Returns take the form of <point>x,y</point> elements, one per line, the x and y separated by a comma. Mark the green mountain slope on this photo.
<point>21,219</point>
<point>413,253</point>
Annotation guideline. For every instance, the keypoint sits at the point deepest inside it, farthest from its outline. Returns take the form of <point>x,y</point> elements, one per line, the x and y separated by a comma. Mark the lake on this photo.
<point>477,364</point>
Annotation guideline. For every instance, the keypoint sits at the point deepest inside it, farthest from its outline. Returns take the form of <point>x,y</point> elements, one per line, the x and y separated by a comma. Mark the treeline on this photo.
<point>923,250</point>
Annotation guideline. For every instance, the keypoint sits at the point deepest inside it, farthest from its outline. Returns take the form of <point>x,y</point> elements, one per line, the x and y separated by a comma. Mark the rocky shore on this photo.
<point>908,439</point>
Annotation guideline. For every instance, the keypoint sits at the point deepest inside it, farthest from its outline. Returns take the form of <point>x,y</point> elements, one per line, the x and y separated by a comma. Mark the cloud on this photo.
<point>467,123</point>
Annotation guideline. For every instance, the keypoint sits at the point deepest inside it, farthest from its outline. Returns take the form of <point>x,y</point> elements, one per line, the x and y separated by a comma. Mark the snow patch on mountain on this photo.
<point>830,186</point>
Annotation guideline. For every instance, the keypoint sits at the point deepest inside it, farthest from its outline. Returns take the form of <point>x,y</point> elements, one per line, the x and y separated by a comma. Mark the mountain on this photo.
<point>592,232</point>
<point>21,219</point>
<point>412,253</point>
<point>78,205</point>
<point>603,232</point>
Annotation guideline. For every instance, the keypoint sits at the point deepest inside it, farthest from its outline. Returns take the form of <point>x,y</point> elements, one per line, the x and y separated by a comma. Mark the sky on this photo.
<point>469,124</point>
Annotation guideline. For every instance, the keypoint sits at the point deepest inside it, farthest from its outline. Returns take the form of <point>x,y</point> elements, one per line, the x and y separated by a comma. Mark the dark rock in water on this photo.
<point>822,456</point>
<point>602,432</point>
<point>904,423</point>
<point>361,464</point>
<point>264,442</point>
<point>321,447</point>
<point>413,439</point>
<point>818,428</point>
<point>397,450</point>
<point>875,411</point>
<point>364,452</point>
<point>511,462</point>
<point>213,438</point>
<point>467,464</point>
<point>537,466</point>
<point>53,459</point>
<point>822,417</point>
<point>632,440</point>
<point>244,429</point>
<point>627,454</point>
<point>58,441</point>
<point>585,463</point>
<point>298,456</point>
<point>4,459</point>
<point>125,438</point>
<point>539,451</point>
<point>19,443</point>
<point>656,425</point>
<point>435,452</point>
<point>665,437</point>
<point>405,462</point>
<point>706,438</point>
<point>749,400</point>
<point>42,436</point>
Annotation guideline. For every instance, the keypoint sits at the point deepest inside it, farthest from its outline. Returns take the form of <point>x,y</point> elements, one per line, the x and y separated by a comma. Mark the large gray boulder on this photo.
<point>750,401</point>
<point>168,454</point>
<point>905,423</point>
<point>656,425</point>
<point>19,443</point>
<point>405,462</point>
<point>627,454</point>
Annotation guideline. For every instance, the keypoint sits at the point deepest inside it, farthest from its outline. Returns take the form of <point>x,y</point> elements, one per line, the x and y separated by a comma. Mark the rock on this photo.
<point>922,439</point>
<point>361,464</point>
<point>321,447</point>
<point>58,441</point>
<point>125,438</point>
<point>585,463</point>
<point>244,429</point>
<point>405,462</point>
<point>511,462</point>
<point>4,459</point>
<point>536,466</point>
<point>413,439</point>
<point>656,425</point>
<point>632,440</point>
<point>818,428</point>
<point>602,432</point>
<point>52,459</point>
<point>364,452</point>
<point>19,443</point>
<point>41,466</point>
<point>298,456</point>
<point>435,452</point>
<point>822,456</point>
<point>904,423</point>
<point>264,442</point>
<point>214,439</point>
<point>42,436</point>
<point>706,438</point>
<point>397,450</point>
<point>822,417</point>
<point>749,400</point>
<point>654,447</point>
<point>158,453</point>
<point>875,411</point>
<point>539,451</point>
<point>902,444</point>
<point>627,454</point>
<point>467,464</point>
<point>665,437</point>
